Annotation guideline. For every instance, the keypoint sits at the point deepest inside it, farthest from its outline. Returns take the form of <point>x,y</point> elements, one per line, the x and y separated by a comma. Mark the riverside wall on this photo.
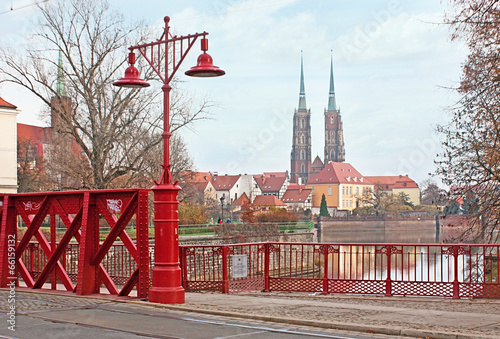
<point>301,237</point>
<point>387,230</point>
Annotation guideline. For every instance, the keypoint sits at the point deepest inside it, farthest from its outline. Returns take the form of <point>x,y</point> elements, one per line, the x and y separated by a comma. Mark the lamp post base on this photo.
<point>167,279</point>
<point>167,288</point>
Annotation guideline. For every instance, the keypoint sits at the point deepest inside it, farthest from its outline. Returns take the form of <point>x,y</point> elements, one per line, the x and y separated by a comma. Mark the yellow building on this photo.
<point>396,184</point>
<point>342,185</point>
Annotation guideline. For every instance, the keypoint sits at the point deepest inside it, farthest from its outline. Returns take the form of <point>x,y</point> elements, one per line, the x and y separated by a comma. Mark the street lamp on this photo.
<point>167,286</point>
<point>222,207</point>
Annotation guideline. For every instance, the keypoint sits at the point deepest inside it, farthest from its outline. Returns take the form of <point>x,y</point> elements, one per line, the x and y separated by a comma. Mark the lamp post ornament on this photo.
<point>167,285</point>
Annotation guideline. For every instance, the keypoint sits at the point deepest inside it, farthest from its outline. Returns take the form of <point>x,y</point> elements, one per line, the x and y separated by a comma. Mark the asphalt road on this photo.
<point>52,317</point>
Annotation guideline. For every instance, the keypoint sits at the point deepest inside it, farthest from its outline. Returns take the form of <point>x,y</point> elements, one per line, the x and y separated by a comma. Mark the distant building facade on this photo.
<point>343,186</point>
<point>397,184</point>
<point>8,147</point>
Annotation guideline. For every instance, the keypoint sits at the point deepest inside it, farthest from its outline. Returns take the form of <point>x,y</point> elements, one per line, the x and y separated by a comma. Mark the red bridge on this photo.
<point>95,251</point>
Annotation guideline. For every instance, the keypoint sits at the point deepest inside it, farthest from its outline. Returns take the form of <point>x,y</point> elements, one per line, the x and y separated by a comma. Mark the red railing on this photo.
<point>457,271</point>
<point>75,257</point>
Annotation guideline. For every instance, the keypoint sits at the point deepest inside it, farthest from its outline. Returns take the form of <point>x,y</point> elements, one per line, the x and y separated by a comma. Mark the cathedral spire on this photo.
<point>332,105</point>
<point>302,93</point>
<point>60,85</point>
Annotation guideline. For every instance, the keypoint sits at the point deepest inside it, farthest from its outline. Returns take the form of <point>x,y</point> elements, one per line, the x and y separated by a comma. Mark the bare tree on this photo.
<point>112,129</point>
<point>470,161</point>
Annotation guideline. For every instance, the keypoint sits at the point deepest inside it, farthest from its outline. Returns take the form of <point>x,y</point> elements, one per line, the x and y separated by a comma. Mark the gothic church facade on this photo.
<point>302,166</point>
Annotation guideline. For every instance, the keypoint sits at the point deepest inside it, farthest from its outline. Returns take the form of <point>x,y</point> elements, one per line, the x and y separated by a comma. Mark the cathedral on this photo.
<point>303,167</point>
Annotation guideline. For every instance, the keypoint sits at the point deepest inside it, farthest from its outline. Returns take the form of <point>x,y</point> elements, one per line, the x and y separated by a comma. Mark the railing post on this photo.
<point>325,271</point>
<point>456,290</point>
<point>183,261</point>
<point>87,281</point>
<point>53,245</point>
<point>266,267</point>
<point>142,242</point>
<point>225,284</point>
<point>388,282</point>
<point>8,242</point>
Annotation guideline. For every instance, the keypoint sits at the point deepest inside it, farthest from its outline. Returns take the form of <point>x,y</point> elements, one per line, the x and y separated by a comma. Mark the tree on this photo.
<point>115,131</point>
<point>30,177</point>
<point>432,194</point>
<point>470,158</point>
<point>192,213</point>
<point>247,212</point>
<point>323,208</point>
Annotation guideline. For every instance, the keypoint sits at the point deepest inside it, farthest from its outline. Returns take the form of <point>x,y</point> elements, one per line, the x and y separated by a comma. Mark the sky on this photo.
<point>394,70</point>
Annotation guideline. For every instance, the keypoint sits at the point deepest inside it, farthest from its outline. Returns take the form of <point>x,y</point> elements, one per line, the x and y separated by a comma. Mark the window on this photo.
<point>350,190</point>
<point>302,123</point>
<point>302,155</point>
<point>303,140</point>
<point>302,168</point>
<point>357,190</point>
<point>235,196</point>
<point>332,119</point>
<point>329,190</point>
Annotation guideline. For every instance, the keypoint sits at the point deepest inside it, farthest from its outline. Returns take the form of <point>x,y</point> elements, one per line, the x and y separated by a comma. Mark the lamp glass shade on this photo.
<point>205,68</point>
<point>131,79</point>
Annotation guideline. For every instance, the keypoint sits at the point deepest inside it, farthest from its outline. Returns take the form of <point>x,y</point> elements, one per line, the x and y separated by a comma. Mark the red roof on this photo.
<point>296,195</point>
<point>201,186</point>
<point>268,200</point>
<point>338,173</point>
<point>277,174</point>
<point>6,104</point>
<point>241,200</point>
<point>36,133</point>
<point>197,176</point>
<point>317,162</point>
<point>224,182</point>
<point>269,184</point>
<point>389,182</point>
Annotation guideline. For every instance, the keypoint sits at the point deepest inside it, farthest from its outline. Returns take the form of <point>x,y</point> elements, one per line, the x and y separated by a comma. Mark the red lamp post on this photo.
<point>167,286</point>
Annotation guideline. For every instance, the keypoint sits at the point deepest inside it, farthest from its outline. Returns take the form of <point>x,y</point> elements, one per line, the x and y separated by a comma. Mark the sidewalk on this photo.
<point>398,316</point>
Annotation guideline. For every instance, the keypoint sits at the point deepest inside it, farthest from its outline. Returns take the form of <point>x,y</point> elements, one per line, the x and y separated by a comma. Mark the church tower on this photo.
<point>334,134</point>
<point>300,157</point>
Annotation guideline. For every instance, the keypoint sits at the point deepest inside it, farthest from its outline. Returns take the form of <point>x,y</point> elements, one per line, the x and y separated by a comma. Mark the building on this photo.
<point>300,158</point>
<point>8,147</point>
<point>231,187</point>
<point>298,197</point>
<point>266,202</point>
<point>397,184</point>
<point>342,185</point>
<point>334,130</point>
<point>271,184</point>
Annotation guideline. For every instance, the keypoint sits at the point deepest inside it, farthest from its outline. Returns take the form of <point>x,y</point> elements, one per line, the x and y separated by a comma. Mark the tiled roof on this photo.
<point>241,200</point>
<point>268,200</point>
<point>6,104</point>
<point>317,162</point>
<point>405,182</point>
<point>269,184</point>
<point>276,174</point>
<point>224,182</point>
<point>338,173</point>
<point>389,182</point>
<point>197,176</point>
<point>35,133</point>
<point>200,186</point>
<point>296,195</point>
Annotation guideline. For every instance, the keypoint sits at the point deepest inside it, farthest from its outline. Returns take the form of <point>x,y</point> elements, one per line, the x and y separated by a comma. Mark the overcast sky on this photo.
<point>393,65</point>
